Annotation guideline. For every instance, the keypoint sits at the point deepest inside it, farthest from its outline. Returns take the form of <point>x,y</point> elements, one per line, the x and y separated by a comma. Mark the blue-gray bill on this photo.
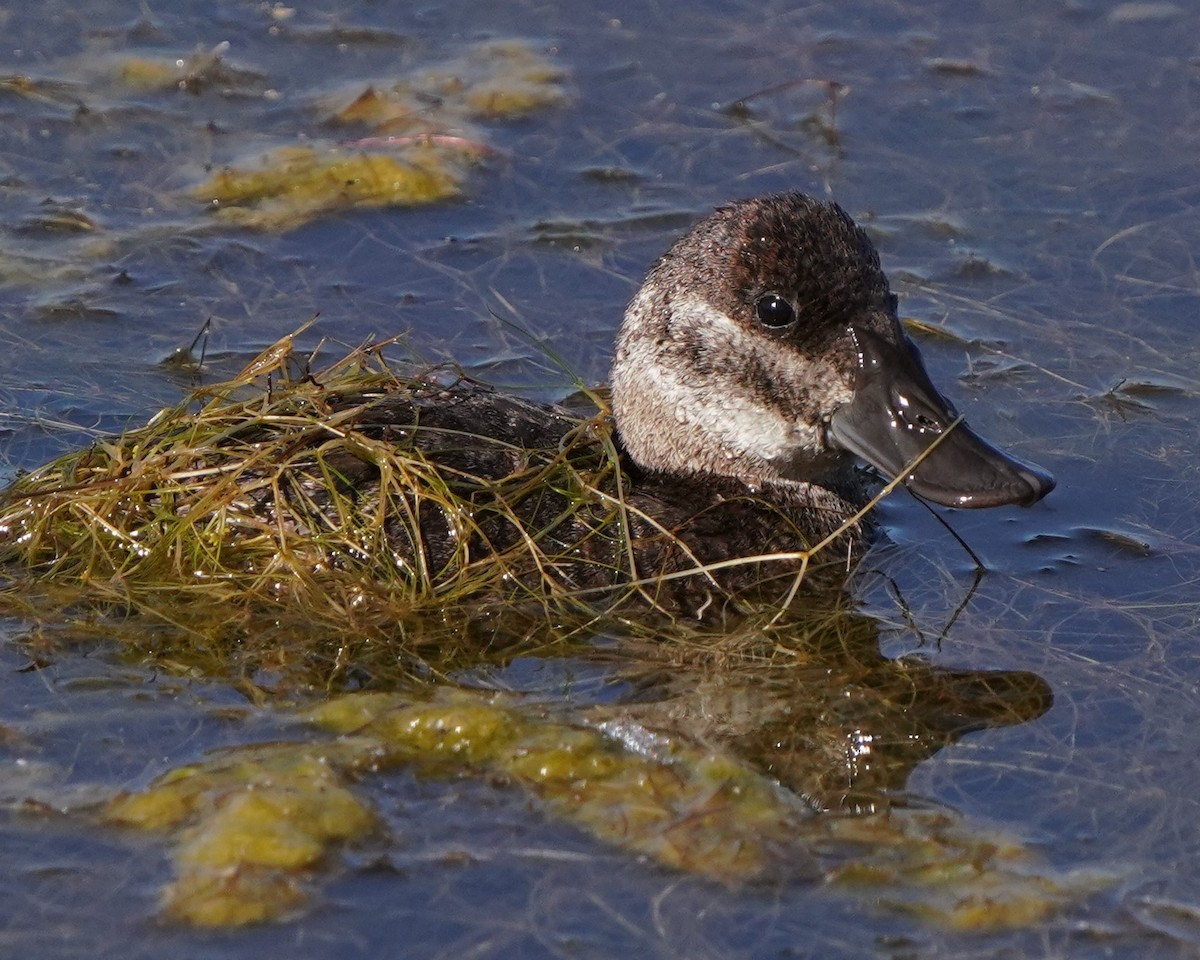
<point>897,414</point>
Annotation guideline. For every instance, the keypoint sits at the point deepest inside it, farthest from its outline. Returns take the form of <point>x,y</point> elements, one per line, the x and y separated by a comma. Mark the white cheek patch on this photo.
<point>717,415</point>
<point>745,429</point>
<point>737,420</point>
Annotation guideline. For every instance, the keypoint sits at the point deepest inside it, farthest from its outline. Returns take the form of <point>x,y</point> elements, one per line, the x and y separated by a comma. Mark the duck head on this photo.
<point>765,345</point>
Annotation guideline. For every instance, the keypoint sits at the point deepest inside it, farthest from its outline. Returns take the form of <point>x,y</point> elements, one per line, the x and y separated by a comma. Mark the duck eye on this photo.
<point>773,311</point>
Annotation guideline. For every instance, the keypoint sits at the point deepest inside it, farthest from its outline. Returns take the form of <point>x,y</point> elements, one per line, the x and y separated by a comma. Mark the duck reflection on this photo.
<point>826,715</point>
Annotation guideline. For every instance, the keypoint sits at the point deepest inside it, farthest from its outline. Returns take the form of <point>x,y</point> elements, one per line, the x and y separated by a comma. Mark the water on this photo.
<point>1030,177</point>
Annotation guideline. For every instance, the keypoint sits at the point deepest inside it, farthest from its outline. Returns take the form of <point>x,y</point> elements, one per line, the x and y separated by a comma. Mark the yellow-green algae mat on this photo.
<point>423,136</point>
<point>252,828</point>
<point>405,140</point>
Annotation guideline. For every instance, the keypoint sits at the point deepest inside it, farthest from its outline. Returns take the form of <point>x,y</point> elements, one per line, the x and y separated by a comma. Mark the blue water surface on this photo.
<point>1031,175</point>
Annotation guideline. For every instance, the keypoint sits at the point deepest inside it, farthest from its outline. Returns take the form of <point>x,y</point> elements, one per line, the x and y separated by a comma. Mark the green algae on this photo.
<point>267,815</point>
<point>491,81</point>
<point>422,139</point>
<point>198,73</point>
<point>246,830</point>
<point>400,141</point>
<point>691,810</point>
<point>936,867</point>
<point>253,830</point>
<point>292,185</point>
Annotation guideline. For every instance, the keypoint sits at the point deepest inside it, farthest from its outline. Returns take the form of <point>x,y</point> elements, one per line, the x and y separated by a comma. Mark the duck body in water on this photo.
<point>759,362</point>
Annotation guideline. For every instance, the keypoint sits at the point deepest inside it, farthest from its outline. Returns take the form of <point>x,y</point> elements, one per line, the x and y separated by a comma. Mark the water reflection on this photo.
<point>769,751</point>
<point>840,725</point>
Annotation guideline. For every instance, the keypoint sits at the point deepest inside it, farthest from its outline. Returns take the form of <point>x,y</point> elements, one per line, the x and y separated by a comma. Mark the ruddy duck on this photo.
<point>760,360</point>
<point>765,346</point>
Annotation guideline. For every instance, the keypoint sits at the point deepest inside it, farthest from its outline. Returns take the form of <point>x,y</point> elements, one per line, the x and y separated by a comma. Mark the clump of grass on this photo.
<point>301,491</point>
<point>296,517</point>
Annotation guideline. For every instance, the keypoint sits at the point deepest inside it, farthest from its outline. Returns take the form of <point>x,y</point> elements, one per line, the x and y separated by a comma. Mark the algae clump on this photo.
<point>252,830</point>
<point>421,139</point>
<point>248,828</point>
<point>292,185</point>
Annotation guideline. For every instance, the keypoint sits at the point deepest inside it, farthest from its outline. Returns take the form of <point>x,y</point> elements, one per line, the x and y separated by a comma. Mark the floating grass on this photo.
<point>353,501</point>
<point>297,493</point>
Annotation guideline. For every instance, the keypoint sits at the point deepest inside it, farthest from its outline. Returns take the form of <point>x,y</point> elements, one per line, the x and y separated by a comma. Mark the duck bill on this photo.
<point>896,415</point>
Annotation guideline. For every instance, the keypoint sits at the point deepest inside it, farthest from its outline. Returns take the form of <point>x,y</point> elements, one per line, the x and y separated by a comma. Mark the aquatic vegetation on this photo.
<point>403,141</point>
<point>422,139</point>
<point>196,74</point>
<point>288,502</point>
<point>689,810</point>
<point>223,497</point>
<point>249,827</point>
<point>246,830</point>
<point>491,81</point>
<point>252,827</point>
<point>294,184</point>
<point>933,866</point>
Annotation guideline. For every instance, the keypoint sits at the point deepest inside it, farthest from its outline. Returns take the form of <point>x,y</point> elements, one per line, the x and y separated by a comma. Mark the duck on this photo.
<point>765,346</point>
<point>762,384</point>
